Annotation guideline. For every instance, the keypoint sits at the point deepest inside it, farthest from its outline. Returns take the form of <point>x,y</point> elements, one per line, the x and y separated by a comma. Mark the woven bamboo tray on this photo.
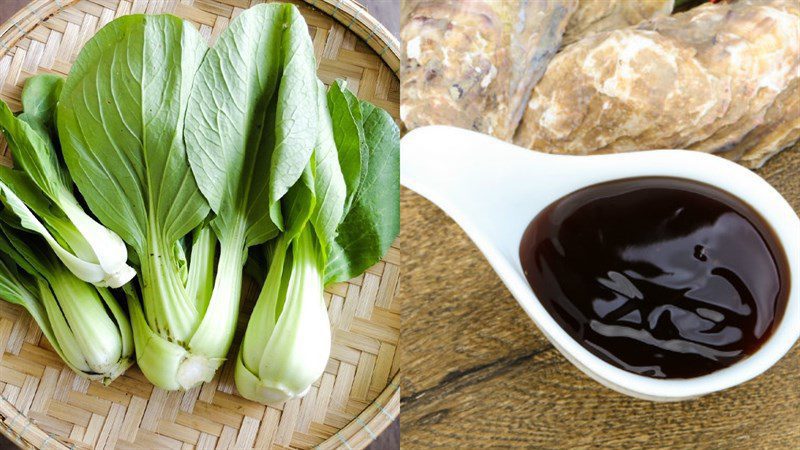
<point>44,405</point>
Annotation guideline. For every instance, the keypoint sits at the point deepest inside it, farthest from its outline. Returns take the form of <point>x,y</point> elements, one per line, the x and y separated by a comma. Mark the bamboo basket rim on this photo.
<point>384,410</point>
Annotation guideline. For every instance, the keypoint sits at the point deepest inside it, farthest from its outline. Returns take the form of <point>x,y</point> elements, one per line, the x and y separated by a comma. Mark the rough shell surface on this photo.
<point>473,64</point>
<point>594,16</point>
<point>719,78</point>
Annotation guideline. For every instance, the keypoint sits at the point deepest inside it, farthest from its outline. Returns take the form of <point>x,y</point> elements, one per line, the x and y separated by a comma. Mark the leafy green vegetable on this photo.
<point>296,120</point>
<point>288,338</point>
<point>186,152</point>
<point>348,124</point>
<point>39,192</point>
<point>253,114</point>
<point>120,120</point>
<point>330,187</point>
<point>373,221</point>
<point>84,324</point>
<point>39,98</point>
<point>249,115</point>
<point>287,341</point>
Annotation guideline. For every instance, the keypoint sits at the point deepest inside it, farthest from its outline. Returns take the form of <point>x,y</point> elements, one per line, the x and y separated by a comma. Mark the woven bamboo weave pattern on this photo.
<point>44,405</point>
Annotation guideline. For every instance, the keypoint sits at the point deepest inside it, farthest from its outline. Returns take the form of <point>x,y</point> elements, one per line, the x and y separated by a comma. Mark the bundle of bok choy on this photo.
<point>193,156</point>
<point>285,159</point>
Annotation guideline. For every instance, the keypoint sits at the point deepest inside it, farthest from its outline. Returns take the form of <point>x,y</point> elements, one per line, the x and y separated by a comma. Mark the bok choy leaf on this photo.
<point>372,221</point>
<point>39,191</point>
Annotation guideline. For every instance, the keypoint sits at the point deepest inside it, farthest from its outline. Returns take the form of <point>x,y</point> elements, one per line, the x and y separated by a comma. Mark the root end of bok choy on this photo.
<point>251,387</point>
<point>167,364</point>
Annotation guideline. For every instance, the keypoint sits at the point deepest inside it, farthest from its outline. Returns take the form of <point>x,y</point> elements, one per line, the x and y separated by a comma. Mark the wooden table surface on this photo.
<point>478,373</point>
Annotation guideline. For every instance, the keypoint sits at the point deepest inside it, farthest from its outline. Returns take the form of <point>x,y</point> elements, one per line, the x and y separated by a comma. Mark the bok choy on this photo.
<point>287,342</point>
<point>84,323</point>
<point>39,191</point>
<point>275,155</point>
<point>191,157</point>
<point>120,120</point>
<point>288,339</point>
<point>250,124</point>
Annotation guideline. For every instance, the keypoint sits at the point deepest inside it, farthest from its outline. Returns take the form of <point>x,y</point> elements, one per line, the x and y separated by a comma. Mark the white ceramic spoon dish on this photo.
<point>493,190</point>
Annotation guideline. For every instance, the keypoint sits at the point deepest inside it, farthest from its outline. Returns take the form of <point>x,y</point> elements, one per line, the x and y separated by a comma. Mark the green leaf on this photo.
<point>120,118</point>
<point>373,221</point>
<point>23,187</point>
<point>40,98</point>
<point>33,152</point>
<point>19,287</point>
<point>14,284</point>
<point>329,184</point>
<point>21,255</point>
<point>348,132</point>
<point>39,101</point>
<point>229,129</point>
<point>91,251</point>
<point>298,204</point>
<point>296,116</point>
<point>87,271</point>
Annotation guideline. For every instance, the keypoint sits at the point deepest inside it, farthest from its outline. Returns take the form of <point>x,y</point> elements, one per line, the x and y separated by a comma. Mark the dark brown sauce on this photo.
<point>664,277</point>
